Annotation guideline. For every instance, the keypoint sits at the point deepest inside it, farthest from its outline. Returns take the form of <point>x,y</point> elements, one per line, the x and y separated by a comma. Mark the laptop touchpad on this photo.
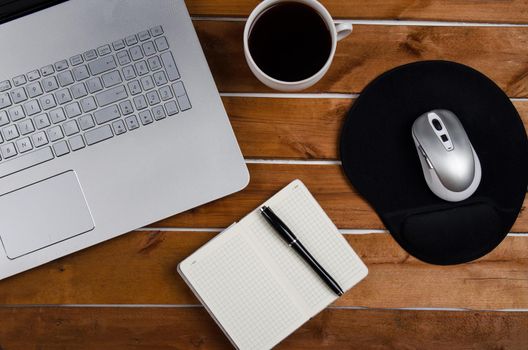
<point>42,214</point>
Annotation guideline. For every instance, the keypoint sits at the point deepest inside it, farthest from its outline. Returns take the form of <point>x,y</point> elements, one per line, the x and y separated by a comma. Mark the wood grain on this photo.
<point>499,52</point>
<point>140,268</point>
<point>328,184</point>
<point>515,11</point>
<point>192,328</point>
<point>295,128</point>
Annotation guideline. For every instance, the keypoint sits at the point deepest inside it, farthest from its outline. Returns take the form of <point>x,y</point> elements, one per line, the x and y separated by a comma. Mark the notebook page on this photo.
<point>242,293</point>
<point>303,215</point>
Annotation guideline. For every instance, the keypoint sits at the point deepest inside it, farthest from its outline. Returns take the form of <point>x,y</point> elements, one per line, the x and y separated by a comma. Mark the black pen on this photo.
<point>292,241</point>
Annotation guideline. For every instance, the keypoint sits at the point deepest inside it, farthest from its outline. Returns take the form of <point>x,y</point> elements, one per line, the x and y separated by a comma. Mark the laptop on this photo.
<point>109,120</point>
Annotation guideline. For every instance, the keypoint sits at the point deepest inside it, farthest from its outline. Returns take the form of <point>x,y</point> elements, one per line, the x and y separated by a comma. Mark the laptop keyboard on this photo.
<point>78,102</point>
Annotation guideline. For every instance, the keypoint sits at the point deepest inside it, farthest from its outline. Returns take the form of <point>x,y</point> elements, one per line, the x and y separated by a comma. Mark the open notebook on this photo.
<point>257,288</point>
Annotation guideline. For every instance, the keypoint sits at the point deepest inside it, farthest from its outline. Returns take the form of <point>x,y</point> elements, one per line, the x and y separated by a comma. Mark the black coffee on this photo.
<point>290,41</point>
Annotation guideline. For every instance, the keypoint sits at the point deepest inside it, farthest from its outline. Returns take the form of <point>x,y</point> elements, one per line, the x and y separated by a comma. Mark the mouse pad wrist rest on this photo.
<point>380,160</point>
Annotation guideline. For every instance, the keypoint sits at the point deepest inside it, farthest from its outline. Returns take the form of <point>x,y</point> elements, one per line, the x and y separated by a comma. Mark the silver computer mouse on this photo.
<point>449,162</point>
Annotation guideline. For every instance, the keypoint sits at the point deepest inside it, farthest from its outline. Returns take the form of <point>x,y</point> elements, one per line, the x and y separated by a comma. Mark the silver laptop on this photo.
<point>109,120</point>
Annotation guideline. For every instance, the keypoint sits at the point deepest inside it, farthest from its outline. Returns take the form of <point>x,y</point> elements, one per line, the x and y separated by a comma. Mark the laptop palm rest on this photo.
<point>42,214</point>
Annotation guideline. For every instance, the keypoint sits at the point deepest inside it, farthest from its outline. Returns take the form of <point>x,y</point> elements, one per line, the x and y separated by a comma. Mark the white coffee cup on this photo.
<point>337,31</point>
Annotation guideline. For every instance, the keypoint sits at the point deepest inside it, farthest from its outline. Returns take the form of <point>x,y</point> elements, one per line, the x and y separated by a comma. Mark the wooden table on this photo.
<point>126,293</point>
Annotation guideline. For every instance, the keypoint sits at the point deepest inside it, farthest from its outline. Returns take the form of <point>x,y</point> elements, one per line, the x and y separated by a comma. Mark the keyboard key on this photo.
<point>5,101</point>
<point>88,104</point>
<point>34,89</point>
<point>10,133</point>
<point>4,119</point>
<point>81,73</point>
<point>94,85</point>
<point>33,75</point>
<point>18,95</point>
<point>57,116</point>
<point>170,66</point>
<point>156,31</point>
<point>23,162</point>
<point>97,135</point>
<point>65,78</point>
<point>19,80</point>
<point>61,148</point>
<point>145,117</point>
<point>47,102</point>
<point>132,122</point>
<point>8,150</point>
<point>86,122</point>
<point>70,127</point>
<point>153,98</point>
<point>111,79</point>
<point>102,65</point>
<point>166,93</point>
<point>140,102</point>
<point>16,113</point>
<point>171,108</point>
<point>63,96</point>
<point>119,127</point>
<point>48,70</point>
<point>111,96</point>
<point>5,85</point>
<point>90,55</point>
<point>39,139</point>
<point>184,103</point>
<point>79,90</point>
<point>128,72</point>
<point>41,121</point>
<point>161,44</point>
<point>118,45</point>
<point>104,50</point>
<point>158,112</point>
<point>76,60</point>
<point>73,110</point>
<point>136,53</point>
<point>32,107</point>
<point>50,84</point>
<point>131,40</point>
<point>144,35</point>
<point>141,68</point>
<point>55,133</point>
<point>61,65</point>
<point>76,143</point>
<point>134,87</point>
<point>107,114</point>
<point>160,78</point>
<point>123,58</point>
<point>149,48</point>
<point>26,126</point>
<point>24,145</point>
<point>147,83</point>
<point>179,89</point>
<point>126,107</point>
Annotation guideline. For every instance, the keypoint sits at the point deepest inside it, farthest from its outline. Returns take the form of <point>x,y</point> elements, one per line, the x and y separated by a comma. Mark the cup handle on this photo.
<point>343,30</point>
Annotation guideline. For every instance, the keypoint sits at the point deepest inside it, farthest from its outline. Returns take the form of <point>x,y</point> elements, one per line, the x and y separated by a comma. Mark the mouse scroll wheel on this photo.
<point>437,124</point>
<point>429,164</point>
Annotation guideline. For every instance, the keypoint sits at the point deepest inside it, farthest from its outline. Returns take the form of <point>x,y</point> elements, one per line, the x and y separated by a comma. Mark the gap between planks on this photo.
<point>199,306</point>
<point>381,22</point>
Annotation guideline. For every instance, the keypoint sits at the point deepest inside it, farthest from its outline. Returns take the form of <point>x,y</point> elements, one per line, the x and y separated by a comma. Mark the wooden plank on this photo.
<point>295,128</point>
<point>191,328</point>
<point>499,52</point>
<point>140,268</point>
<point>328,184</point>
<point>498,11</point>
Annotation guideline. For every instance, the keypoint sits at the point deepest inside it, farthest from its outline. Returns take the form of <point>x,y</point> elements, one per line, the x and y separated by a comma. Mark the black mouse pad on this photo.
<point>380,159</point>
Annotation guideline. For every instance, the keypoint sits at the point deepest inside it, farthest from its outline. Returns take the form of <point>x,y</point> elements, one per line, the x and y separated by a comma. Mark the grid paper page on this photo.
<point>243,295</point>
<point>303,215</point>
